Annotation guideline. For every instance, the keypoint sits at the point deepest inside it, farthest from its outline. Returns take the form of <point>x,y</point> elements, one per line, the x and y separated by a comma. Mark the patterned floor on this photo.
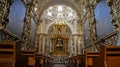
<point>59,65</point>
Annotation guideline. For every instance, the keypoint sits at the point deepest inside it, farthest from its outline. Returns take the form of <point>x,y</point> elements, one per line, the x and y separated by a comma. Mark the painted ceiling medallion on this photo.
<point>63,12</point>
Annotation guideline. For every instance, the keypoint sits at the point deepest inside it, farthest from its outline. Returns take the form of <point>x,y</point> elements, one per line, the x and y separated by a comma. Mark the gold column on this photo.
<point>77,48</point>
<point>53,45</point>
<point>41,43</point>
<point>80,36</point>
<point>37,45</point>
<point>65,45</point>
<point>44,43</point>
<point>37,38</point>
<point>75,45</point>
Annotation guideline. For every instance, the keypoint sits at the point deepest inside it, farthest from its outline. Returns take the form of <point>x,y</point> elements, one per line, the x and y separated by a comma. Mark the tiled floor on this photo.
<point>59,65</point>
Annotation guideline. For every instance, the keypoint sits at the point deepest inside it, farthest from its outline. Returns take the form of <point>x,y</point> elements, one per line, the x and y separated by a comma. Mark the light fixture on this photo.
<point>59,8</point>
<point>49,13</point>
<point>35,9</point>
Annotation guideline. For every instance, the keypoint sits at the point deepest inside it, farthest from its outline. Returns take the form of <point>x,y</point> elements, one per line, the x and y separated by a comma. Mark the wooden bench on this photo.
<point>67,61</point>
<point>39,60</point>
<point>88,58</point>
<point>75,61</point>
<point>27,59</point>
<point>9,53</point>
<point>49,61</point>
<point>72,61</point>
<point>80,60</point>
<point>43,61</point>
<point>109,57</point>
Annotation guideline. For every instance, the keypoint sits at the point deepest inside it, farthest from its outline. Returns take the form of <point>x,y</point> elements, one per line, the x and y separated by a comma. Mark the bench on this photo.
<point>109,57</point>
<point>80,60</point>
<point>9,53</point>
<point>27,59</point>
<point>88,58</point>
<point>43,60</point>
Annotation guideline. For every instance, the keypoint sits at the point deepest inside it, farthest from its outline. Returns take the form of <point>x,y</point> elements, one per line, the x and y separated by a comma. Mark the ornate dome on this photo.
<point>62,12</point>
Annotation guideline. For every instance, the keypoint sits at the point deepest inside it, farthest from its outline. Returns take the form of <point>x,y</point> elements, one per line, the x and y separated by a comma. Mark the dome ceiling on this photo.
<point>61,12</point>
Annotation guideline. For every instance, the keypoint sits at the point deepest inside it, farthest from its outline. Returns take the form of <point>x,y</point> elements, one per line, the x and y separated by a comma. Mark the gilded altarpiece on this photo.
<point>59,40</point>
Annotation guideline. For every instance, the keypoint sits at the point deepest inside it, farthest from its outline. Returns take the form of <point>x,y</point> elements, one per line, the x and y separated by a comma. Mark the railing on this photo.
<point>6,35</point>
<point>110,39</point>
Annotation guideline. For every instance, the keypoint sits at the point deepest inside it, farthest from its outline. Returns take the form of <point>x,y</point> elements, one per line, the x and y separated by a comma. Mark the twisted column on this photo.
<point>92,24</point>
<point>115,13</point>
<point>4,12</point>
<point>27,24</point>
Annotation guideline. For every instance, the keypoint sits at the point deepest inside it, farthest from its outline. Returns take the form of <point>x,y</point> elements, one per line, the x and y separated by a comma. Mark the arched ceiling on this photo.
<point>59,13</point>
<point>50,30</point>
<point>79,6</point>
<point>44,4</point>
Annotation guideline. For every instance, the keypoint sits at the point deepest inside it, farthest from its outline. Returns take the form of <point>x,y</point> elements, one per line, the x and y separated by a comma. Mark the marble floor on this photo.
<point>59,65</point>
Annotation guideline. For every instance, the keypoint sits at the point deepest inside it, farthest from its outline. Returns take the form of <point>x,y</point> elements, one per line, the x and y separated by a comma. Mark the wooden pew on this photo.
<point>67,61</point>
<point>39,60</point>
<point>72,61</point>
<point>80,60</point>
<point>88,58</point>
<point>75,61</point>
<point>27,59</point>
<point>49,61</point>
<point>9,53</point>
<point>109,57</point>
<point>43,61</point>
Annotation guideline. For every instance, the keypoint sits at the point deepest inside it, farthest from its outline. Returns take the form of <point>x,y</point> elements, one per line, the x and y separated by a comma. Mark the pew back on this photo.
<point>80,60</point>
<point>29,56</point>
<point>111,55</point>
<point>89,56</point>
<point>9,50</point>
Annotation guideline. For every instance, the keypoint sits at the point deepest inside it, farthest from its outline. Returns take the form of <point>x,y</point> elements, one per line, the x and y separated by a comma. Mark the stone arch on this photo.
<point>51,25</point>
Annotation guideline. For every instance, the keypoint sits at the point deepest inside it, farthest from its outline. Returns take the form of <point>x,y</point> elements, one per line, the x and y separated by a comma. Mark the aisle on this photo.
<point>59,65</point>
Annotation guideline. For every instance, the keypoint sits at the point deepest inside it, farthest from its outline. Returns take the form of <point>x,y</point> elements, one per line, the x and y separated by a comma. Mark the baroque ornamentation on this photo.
<point>115,13</point>
<point>4,12</point>
<point>27,24</point>
<point>92,24</point>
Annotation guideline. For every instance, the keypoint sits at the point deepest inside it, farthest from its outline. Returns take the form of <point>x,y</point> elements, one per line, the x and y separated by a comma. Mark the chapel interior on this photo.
<point>59,33</point>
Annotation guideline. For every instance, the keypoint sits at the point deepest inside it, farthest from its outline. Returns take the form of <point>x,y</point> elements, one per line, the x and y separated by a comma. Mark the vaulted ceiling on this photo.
<point>79,7</point>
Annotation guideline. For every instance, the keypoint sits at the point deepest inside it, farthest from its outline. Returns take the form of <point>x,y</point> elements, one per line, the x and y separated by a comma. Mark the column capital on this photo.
<point>28,2</point>
<point>109,2</point>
